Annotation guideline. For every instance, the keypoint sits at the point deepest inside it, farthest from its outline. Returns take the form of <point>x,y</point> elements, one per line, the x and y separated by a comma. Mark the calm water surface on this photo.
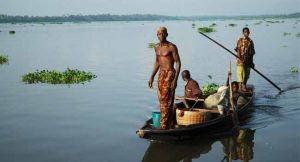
<point>97,121</point>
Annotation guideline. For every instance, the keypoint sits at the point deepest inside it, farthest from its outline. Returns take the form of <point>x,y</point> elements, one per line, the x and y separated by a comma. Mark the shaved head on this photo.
<point>163,29</point>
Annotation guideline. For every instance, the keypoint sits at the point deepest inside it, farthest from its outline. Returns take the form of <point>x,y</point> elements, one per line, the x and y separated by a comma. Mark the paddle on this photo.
<point>234,113</point>
<point>187,98</point>
<point>241,59</point>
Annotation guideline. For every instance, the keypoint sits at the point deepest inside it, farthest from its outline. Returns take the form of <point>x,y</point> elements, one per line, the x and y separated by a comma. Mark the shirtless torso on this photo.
<point>166,55</point>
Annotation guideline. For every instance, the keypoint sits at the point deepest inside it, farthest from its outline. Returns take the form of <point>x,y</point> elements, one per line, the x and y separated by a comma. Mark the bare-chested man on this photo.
<point>166,55</point>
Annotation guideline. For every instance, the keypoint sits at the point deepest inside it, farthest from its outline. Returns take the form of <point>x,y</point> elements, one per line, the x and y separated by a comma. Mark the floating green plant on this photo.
<point>286,33</point>
<point>232,25</point>
<point>3,59</point>
<point>212,25</point>
<point>294,70</point>
<point>12,32</point>
<point>56,23</point>
<point>259,22</point>
<point>193,25</point>
<point>271,21</point>
<point>206,30</point>
<point>298,35</point>
<point>69,76</point>
<point>210,87</point>
<point>151,45</point>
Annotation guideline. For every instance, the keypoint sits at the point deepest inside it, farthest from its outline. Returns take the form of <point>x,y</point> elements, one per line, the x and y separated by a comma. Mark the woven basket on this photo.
<point>195,116</point>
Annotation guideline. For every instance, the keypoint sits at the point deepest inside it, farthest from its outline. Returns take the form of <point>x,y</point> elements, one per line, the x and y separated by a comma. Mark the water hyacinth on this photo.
<point>232,25</point>
<point>259,22</point>
<point>298,35</point>
<point>272,21</point>
<point>3,59</point>
<point>206,30</point>
<point>151,45</point>
<point>294,70</point>
<point>69,76</point>
<point>212,25</point>
<point>286,33</point>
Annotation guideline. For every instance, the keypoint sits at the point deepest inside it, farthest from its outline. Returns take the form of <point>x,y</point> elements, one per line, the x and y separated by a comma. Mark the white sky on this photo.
<point>163,7</point>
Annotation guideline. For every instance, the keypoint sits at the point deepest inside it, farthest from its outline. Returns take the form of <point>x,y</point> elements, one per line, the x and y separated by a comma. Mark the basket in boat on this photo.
<point>194,116</point>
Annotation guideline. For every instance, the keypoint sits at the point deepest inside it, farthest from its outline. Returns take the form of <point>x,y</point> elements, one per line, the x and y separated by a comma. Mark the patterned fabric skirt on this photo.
<point>166,94</point>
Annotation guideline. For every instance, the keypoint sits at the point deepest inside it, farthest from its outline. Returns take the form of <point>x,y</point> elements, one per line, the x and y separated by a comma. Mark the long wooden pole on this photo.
<point>240,58</point>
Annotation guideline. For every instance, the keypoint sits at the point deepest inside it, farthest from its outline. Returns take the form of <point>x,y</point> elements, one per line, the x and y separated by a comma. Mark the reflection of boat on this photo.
<point>174,152</point>
<point>218,123</point>
<point>237,144</point>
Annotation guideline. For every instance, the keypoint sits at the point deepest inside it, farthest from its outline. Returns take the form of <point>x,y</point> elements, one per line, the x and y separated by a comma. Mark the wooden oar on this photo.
<point>187,98</point>
<point>241,59</point>
<point>233,107</point>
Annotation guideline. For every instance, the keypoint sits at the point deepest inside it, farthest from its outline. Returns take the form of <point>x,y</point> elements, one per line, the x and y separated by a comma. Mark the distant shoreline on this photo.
<point>135,17</point>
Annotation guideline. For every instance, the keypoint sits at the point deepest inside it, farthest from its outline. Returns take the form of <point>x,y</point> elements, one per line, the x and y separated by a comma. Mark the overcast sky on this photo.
<point>163,7</point>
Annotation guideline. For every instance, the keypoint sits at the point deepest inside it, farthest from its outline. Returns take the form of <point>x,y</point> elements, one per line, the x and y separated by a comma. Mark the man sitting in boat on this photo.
<point>239,98</point>
<point>192,92</point>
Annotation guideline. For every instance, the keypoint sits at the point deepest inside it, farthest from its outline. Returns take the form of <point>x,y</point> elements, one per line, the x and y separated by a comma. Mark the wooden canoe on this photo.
<point>217,124</point>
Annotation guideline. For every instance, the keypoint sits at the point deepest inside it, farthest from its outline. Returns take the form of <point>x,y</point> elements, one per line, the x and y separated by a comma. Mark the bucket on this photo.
<point>156,119</point>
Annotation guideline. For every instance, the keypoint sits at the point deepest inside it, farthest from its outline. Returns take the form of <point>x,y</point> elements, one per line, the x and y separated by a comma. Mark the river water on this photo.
<point>97,121</point>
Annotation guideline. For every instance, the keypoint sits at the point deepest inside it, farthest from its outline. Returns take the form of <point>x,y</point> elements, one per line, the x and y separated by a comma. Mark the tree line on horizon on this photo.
<point>135,17</point>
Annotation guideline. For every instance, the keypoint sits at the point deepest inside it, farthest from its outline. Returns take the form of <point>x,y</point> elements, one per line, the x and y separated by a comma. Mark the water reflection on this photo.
<point>236,145</point>
<point>240,146</point>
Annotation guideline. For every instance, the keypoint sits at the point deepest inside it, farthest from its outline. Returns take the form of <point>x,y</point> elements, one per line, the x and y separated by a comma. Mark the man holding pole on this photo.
<point>245,51</point>
<point>166,55</point>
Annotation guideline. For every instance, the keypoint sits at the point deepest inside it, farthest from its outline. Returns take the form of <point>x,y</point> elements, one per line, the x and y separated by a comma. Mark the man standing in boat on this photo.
<point>166,54</point>
<point>245,51</point>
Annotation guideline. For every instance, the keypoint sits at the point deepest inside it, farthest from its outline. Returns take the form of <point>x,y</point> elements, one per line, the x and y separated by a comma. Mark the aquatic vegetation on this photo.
<point>286,33</point>
<point>151,45</point>
<point>298,35</point>
<point>271,21</point>
<point>56,23</point>
<point>294,70</point>
<point>246,25</point>
<point>284,46</point>
<point>12,32</point>
<point>232,25</point>
<point>206,30</point>
<point>259,22</point>
<point>3,59</point>
<point>209,88</point>
<point>193,25</point>
<point>69,76</point>
<point>212,25</point>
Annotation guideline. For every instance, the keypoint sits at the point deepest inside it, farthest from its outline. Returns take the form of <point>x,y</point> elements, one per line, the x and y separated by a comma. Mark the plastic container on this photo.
<point>156,119</point>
